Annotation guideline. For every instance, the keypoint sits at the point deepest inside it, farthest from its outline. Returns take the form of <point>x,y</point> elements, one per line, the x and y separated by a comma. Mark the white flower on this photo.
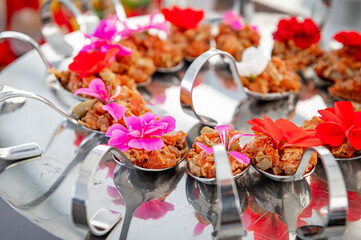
<point>253,63</point>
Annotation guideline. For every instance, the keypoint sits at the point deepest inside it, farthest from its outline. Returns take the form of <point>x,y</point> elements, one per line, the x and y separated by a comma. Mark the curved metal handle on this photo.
<point>13,94</point>
<point>51,31</point>
<point>25,38</point>
<point>187,83</point>
<point>229,216</point>
<point>337,194</point>
<point>18,152</point>
<point>119,10</point>
<point>104,219</point>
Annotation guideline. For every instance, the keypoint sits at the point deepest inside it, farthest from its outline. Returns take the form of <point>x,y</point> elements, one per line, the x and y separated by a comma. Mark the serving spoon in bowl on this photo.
<point>187,85</point>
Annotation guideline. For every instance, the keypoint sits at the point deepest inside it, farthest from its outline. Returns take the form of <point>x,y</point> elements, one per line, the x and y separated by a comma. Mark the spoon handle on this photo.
<point>129,212</point>
<point>229,222</point>
<point>18,93</point>
<point>25,38</point>
<point>189,78</point>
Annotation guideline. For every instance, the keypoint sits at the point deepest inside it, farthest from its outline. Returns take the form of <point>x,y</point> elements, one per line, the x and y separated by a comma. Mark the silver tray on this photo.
<point>41,188</point>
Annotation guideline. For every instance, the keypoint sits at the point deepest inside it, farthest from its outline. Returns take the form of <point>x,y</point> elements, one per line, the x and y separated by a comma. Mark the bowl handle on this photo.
<point>337,194</point>
<point>103,220</point>
<point>229,221</point>
<point>187,83</point>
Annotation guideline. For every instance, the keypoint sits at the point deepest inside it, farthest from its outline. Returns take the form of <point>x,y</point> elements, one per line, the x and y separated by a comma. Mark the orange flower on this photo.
<point>339,123</point>
<point>284,133</point>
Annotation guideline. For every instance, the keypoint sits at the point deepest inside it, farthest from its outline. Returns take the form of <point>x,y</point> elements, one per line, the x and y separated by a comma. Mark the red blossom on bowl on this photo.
<point>184,19</point>
<point>351,38</point>
<point>340,122</point>
<point>304,34</point>
<point>284,133</point>
<point>87,63</point>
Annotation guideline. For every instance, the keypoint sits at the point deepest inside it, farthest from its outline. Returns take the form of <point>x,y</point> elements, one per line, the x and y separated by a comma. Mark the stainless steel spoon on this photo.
<point>338,203</point>
<point>138,186</point>
<point>187,84</point>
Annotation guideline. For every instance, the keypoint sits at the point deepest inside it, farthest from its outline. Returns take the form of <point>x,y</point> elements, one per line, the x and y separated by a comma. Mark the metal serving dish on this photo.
<point>40,188</point>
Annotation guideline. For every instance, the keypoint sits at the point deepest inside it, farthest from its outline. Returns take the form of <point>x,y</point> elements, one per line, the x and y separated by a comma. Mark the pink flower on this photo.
<point>233,19</point>
<point>140,132</point>
<point>162,26</point>
<point>103,36</point>
<point>97,89</point>
<point>229,144</point>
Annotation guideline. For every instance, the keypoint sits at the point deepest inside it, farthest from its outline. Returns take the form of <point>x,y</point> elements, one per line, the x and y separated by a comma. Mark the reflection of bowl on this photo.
<point>351,171</point>
<point>204,198</point>
<point>287,200</point>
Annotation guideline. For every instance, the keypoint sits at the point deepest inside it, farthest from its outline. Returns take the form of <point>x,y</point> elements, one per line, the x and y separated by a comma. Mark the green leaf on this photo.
<point>234,146</point>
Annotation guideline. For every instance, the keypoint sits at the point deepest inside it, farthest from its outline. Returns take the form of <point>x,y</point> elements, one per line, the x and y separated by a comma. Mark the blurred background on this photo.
<point>23,15</point>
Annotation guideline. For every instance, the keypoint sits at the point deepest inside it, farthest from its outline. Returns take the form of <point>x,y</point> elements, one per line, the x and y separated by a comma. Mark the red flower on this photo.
<point>304,34</point>
<point>285,133</point>
<point>352,38</point>
<point>184,19</point>
<point>87,63</point>
<point>340,122</point>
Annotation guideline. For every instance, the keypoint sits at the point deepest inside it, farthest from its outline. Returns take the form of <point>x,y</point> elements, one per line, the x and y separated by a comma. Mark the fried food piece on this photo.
<point>201,164</point>
<point>235,42</point>
<point>295,57</point>
<point>276,78</point>
<point>266,156</point>
<point>169,155</point>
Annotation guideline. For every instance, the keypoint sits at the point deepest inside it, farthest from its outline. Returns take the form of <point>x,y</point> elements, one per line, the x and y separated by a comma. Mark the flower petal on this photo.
<point>237,136</point>
<point>233,19</point>
<point>134,126</point>
<point>253,63</point>
<point>357,117</point>
<point>170,123</point>
<point>223,131</point>
<point>96,89</point>
<point>240,157</point>
<point>116,94</point>
<point>115,110</point>
<point>149,144</point>
<point>116,127</point>
<point>329,115</point>
<point>208,150</point>
<point>270,129</point>
<point>344,110</point>
<point>330,133</point>
<point>183,19</point>
<point>354,136</point>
